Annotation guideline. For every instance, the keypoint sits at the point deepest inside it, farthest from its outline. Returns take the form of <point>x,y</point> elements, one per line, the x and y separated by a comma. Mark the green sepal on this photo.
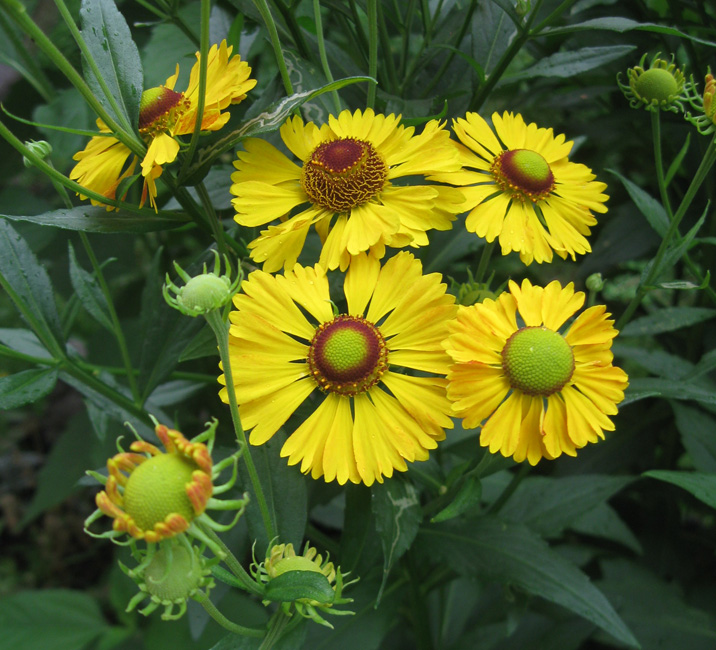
<point>298,585</point>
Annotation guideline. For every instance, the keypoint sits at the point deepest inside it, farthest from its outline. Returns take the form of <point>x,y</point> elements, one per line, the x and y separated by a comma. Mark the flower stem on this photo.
<point>510,489</point>
<point>372,8</point>
<point>276,628</point>
<point>322,52</point>
<point>235,628</point>
<point>644,287</point>
<point>220,329</point>
<point>265,12</point>
<point>484,260</point>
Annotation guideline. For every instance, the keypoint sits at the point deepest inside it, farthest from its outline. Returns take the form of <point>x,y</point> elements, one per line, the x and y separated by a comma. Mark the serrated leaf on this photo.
<point>94,218</point>
<point>513,555</point>
<point>573,62</point>
<point>398,515</point>
<point>88,291</point>
<point>700,484</point>
<point>29,281</point>
<point>26,387</point>
<point>652,209</point>
<point>668,319</point>
<point>51,619</point>
<point>110,44</point>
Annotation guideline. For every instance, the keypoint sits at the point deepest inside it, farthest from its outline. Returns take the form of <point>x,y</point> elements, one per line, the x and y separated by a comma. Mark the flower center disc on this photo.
<point>343,174</point>
<point>155,107</point>
<point>347,355</point>
<point>157,488</point>
<point>524,173</point>
<point>537,361</point>
<point>656,84</point>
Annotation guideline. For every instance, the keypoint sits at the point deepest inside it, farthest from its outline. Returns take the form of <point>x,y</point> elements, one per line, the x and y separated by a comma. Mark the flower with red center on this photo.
<point>164,114</point>
<point>371,414</point>
<point>152,495</point>
<point>345,186</point>
<point>521,188</point>
<point>536,392</point>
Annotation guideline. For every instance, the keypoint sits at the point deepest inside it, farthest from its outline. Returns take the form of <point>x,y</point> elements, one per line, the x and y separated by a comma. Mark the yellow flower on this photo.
<point>536,392</point>
<point>368,417</point>
<point>520,186</point>
<point>344,186</point>
<point>164,114</point>
<point>152,495</point>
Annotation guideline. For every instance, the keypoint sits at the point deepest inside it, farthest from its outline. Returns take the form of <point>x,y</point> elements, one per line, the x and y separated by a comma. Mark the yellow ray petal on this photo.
<point>360,282</point>
<point>502,431</point>
<point>476,391</point>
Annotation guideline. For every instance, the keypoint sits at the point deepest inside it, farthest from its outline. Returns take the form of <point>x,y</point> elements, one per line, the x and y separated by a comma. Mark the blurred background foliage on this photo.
<point>646,544</point>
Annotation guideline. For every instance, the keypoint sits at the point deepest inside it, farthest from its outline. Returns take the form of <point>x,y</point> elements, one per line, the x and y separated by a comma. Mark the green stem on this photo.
<point>418,605</point>
<point>484,260</point>
<point>220,329</point>
<point>322,52</point>
<point>214,221</point>
<point>701,173</point>
<point>658,162</point>
<point>372,7</point>
<point>231,562</point>
<point>276,628</point>
<point>389,64</point>
<point>510,489</point>
<point>294,28</point>
<point>203,63</point>
<point>19,14</point>
<point>265,12</point>
<point>170,10</point>
<point>201,598</point>
<point>37,361</point>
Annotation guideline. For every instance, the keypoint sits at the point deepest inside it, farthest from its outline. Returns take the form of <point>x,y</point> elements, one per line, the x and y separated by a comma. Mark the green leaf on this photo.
<point>697,435</point>
<point>468,496</point>
<point>619,24</point>
<point>24,341</point>
<point>110,44</point>
<point>604,522</point>
<point>701,485</point>
<point>657,362</point>
<point>94,218</point>
<point>571,63</point>
<point>285,490</point>
<point>398,515</point>
<point>51,619</point>
<point>549,505</point>
<point>668,319</point>
<point>28,283</point>
<point>656,610</point>
<point>652,209</point>
<point>677,249</point>
<point>88,291</point>
<point>513,555</point>
<point>293,585</point>
<point>26,387</point>
<point>642,387</point>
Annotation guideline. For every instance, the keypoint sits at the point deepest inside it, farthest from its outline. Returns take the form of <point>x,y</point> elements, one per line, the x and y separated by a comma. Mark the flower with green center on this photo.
<point>536,393</point>
<point>346,185</point>
<point>370,412</point>
<point>705,122</point>
<point>521,188</point>
<point>202,293</point>
<point>284,574</point>
<point>660,87</point>
<point>170,576</point>
<point>152,495</point>
<point>164,114</point>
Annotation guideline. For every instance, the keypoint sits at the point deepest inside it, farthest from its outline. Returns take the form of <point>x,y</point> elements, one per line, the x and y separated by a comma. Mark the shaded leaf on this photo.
<point>88,291</point>
<point>468,496</point>
<point>110,43</point>
<point>94,218</point>
<point>26,387</point>
<point>572,63</point>
<point>642,387</point>
<point>512,554</point>
<point>701,485</point>
<point>697,435</point>
<point>667,320</point>
<point>51,619</point>
<point>652,209</point>
<point>24,341</point>
<point>604,522</point>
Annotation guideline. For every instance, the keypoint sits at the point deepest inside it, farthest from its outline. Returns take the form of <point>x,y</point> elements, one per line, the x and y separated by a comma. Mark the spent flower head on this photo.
<point>659,87</point>
<point>202,293</point>
<point>169,576</point>
<point>155,495</point>
<point>306,582</point>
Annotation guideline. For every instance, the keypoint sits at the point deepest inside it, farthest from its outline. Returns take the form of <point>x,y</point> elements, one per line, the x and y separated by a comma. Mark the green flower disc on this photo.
<point>157,488</point>
<point>204,293</point>
<point>656,84</point>
<point>537,361</point>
